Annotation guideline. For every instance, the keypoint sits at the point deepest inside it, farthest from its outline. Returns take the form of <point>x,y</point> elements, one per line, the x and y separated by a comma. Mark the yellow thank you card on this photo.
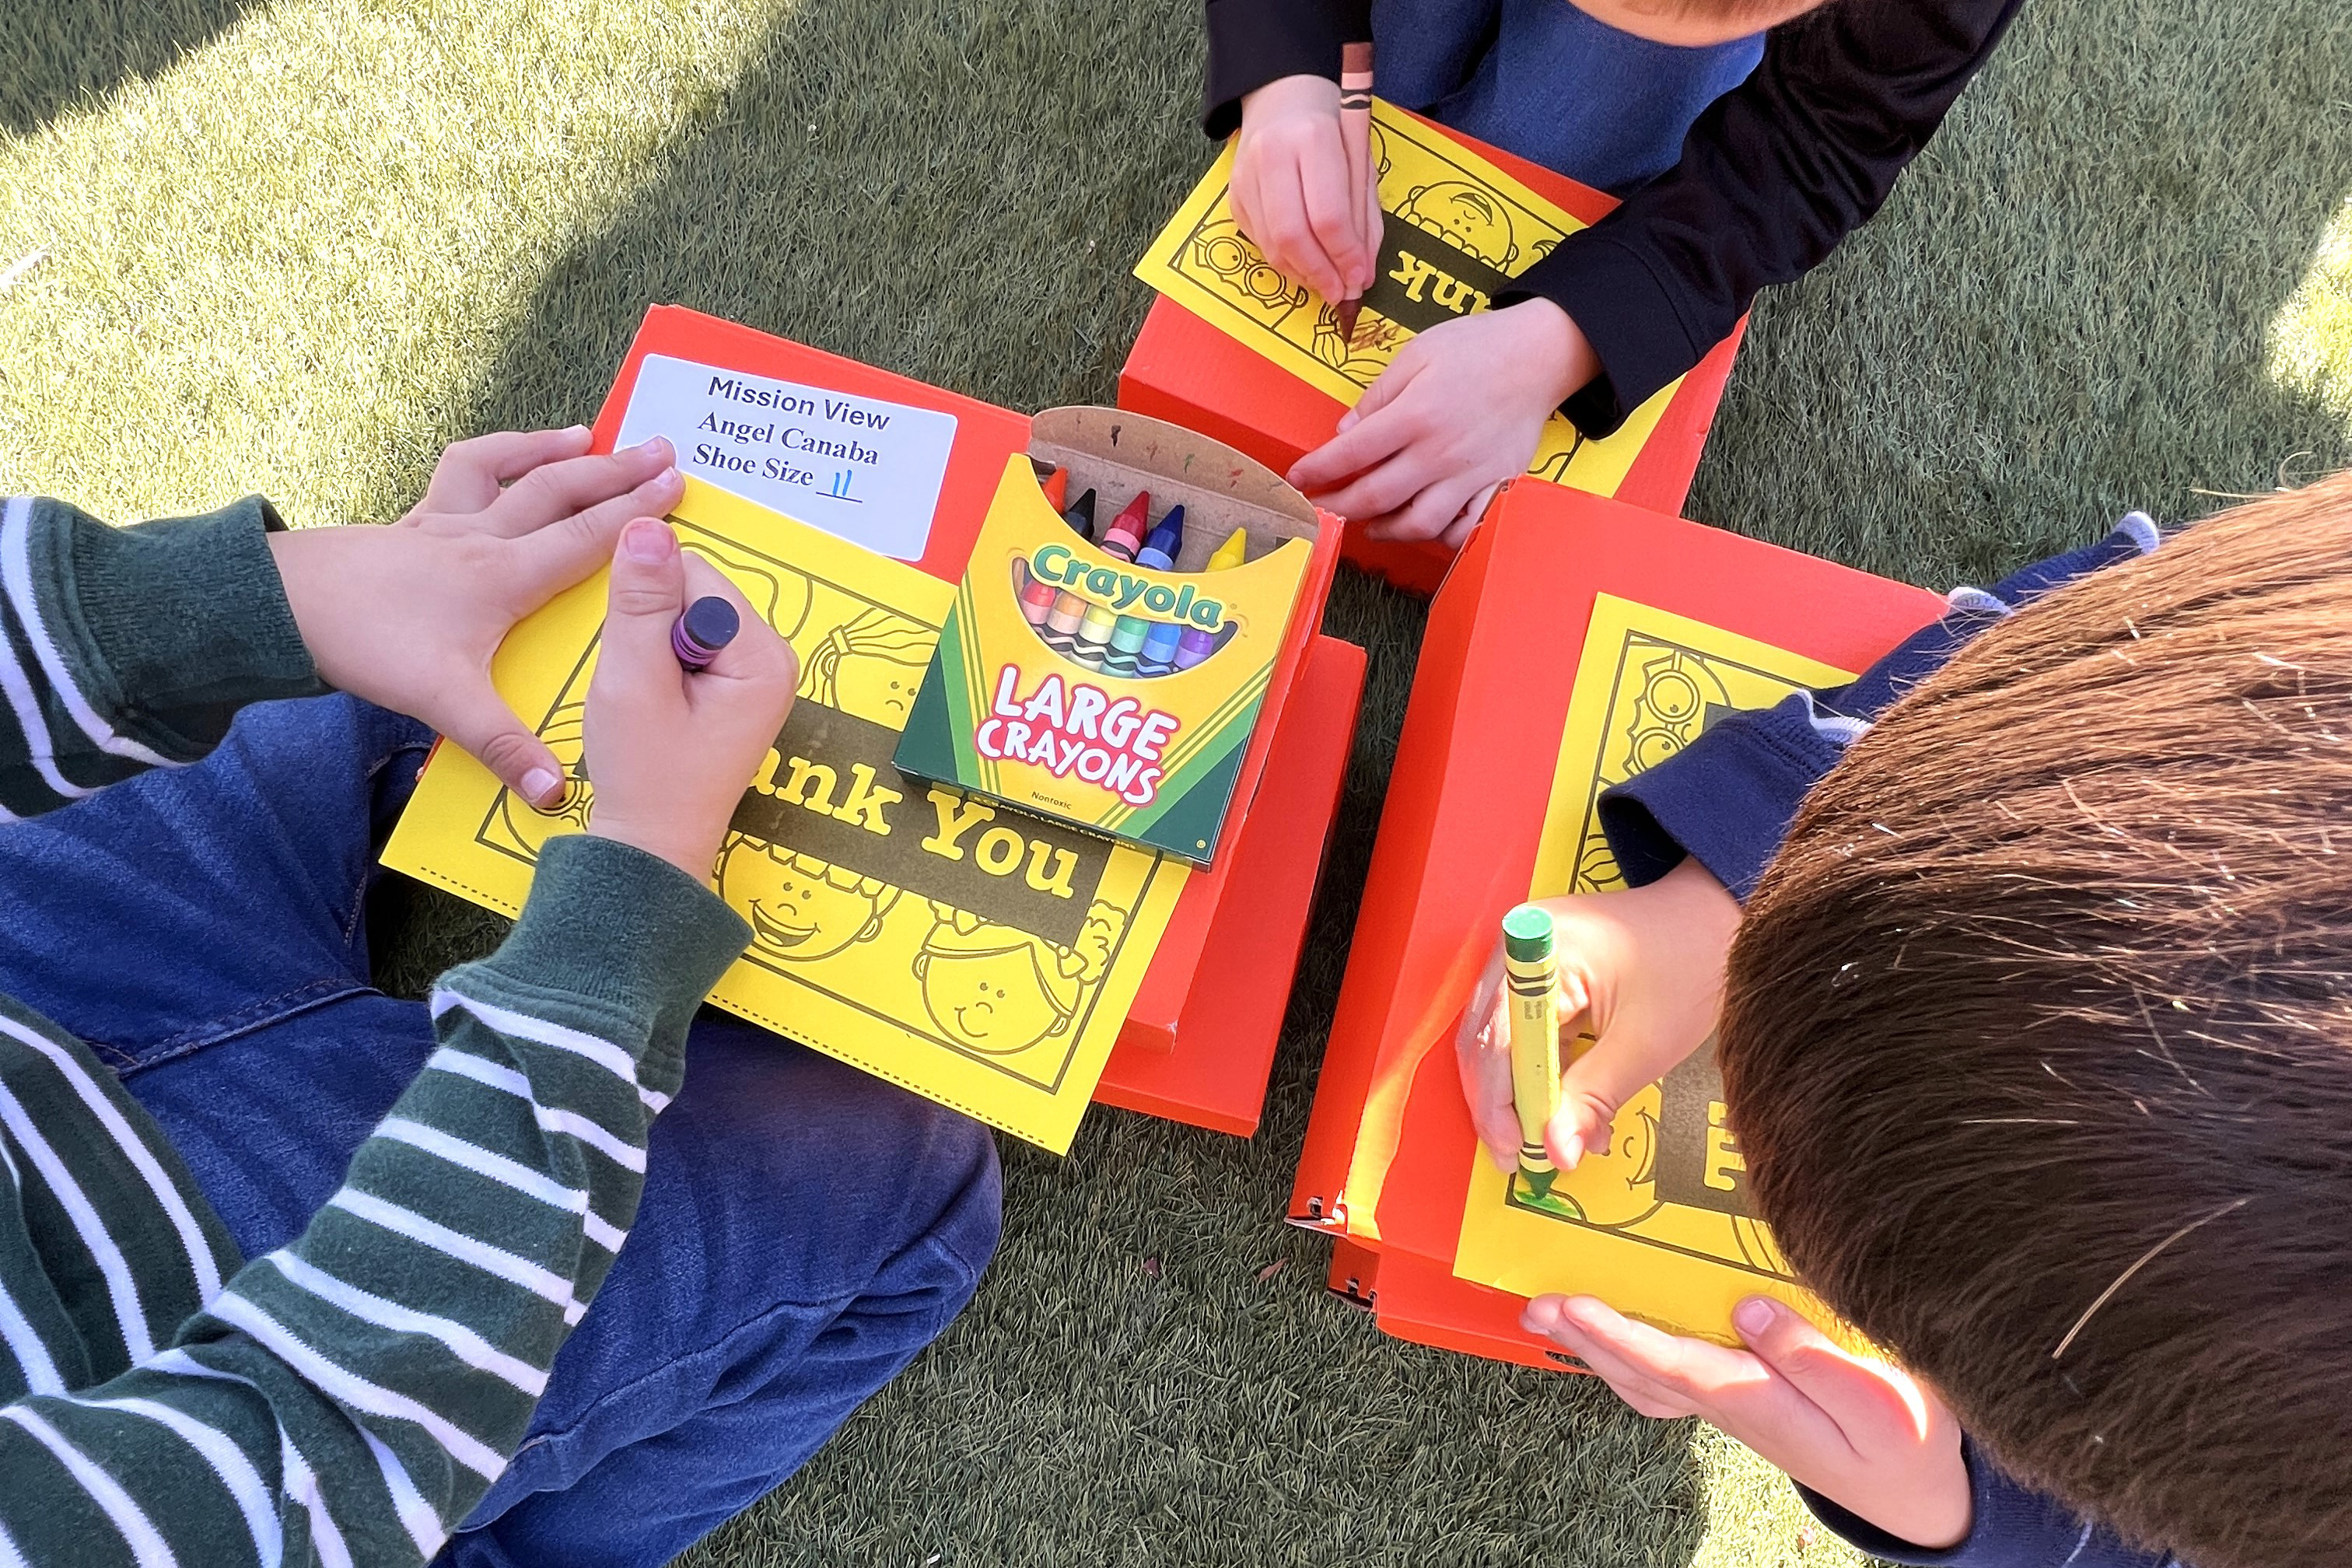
<point>1455,230</point>
<point>1660,1226</point>
<point>975,953</point>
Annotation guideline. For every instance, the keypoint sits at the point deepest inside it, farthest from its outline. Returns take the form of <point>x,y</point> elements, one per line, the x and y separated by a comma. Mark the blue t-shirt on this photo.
<point>1541,79</point>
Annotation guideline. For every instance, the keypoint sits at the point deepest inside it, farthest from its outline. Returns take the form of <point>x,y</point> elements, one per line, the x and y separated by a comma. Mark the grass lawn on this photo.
<point>297,247</point>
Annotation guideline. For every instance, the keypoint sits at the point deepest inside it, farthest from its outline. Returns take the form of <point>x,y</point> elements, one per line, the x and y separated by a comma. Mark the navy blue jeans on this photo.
<point>1541,79</point>
<point>806,1228</point>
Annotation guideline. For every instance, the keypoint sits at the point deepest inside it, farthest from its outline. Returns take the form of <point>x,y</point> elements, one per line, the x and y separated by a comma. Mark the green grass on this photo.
<point>298,246</point>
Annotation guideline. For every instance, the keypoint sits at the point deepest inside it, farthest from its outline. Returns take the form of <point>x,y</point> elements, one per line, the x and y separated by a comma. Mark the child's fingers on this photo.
<point>647,590</point>
<point>1332,216</point>
<point>1457,532</point>
<point>1292,222</point>
<point>567,551</point>
<point>1369,433</point>
<point>472,472</point>
<point>1483,1055</point>
<point>555,490</point>
<point>1431,510</point>
<point>1865,1399</point>
<point>479,724</point>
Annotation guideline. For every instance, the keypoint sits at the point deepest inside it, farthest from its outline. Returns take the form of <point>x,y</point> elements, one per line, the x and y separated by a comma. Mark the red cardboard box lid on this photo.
<point>1466,800</point>
<point>1207,1063</point>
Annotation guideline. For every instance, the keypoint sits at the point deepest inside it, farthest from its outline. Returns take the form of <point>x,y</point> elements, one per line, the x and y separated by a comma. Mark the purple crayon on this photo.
<point>709,625</point>
<point>1194,646</point>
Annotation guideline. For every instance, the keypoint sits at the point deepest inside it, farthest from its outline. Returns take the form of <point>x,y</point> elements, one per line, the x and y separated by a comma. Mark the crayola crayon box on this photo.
<point>1075,681</point>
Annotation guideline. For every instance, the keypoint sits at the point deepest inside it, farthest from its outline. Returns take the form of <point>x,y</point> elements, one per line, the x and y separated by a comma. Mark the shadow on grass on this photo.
<point>2061,315</point>
<point>63,53</point>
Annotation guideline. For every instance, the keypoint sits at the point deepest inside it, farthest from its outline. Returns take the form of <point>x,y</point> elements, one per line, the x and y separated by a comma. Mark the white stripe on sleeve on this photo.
<point>357,1392</point>
<point>417,1515</point>
<point>228,1463</point>
<point>16,684</point>
<point>148,1548</point>
<point>505,1172</point>
<point>464,1064</point>
<point>17,572</point>
<point>543,1283</point>
<point>463,1343</point>
<point>522,1026</point>
<point>299,1482</point>
<point>24,1342</point>
<point>142,1159</point>
<point>301,1485</point>
<point>122,1289</point>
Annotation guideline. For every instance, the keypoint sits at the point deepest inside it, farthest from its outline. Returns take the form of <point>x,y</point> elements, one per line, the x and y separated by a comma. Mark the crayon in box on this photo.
<point>1153,758</point>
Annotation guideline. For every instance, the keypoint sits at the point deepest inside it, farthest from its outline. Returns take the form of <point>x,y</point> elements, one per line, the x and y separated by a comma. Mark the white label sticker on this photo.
<point>865,469</point>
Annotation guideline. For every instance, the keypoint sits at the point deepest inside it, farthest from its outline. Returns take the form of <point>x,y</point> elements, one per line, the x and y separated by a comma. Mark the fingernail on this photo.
<point>669,477</point>
<point>576,431</point>
<point>659,447</point>
<point>540,783</point>
<point>647,540</point>
<point>1754,1315</point>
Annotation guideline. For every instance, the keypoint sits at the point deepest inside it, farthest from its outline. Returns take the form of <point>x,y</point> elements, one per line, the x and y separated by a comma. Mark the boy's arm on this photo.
<point>351,1396</point>
<point>1773,175</point>
<point>1253,42</point>
<point>1728,798</point>
<point>2010,1527</point>
<point>127,648</point>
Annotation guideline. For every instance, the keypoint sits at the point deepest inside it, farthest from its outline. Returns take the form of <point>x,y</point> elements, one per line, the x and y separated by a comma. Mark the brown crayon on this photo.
<point>1355,133</point>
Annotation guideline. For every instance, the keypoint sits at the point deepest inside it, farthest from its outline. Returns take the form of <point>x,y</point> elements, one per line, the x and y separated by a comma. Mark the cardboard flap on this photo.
<point>1220,489</point>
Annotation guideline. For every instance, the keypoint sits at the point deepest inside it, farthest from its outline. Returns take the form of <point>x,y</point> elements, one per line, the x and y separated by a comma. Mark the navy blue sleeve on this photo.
<point>2011,1528</point>
<point>1728,798</point>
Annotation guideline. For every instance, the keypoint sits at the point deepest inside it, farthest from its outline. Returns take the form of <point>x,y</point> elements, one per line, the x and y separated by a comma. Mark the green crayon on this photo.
<point>1126,640</point>
<point>1531,975</point>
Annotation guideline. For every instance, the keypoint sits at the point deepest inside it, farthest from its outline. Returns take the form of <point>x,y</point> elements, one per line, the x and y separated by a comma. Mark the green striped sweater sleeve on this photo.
<point>126,648</point>
<point>350,1398</point>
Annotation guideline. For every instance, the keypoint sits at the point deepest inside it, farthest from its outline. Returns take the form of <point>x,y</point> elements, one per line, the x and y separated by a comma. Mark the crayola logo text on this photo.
<point>1078,731</point>
<point>1124,591</point>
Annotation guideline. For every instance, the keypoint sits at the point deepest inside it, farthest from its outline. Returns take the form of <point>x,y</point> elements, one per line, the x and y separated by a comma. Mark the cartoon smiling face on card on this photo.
<point>997,990</point>
<point>1469,219</point>
<point>800,909</point>
<point>870,668</point>
<point>1620,1187</point>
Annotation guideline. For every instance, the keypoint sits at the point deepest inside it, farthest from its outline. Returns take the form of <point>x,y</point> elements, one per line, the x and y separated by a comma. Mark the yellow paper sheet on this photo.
<point>975,954</point>
<point>1457,229</point>
<point>1660,1227</point>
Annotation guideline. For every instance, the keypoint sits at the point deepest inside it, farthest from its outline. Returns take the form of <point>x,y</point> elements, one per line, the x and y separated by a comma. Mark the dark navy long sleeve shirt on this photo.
<point>1727,801</point>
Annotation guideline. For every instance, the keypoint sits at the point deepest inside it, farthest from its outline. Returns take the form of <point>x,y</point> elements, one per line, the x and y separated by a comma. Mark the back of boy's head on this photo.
<point>2038,1038</point>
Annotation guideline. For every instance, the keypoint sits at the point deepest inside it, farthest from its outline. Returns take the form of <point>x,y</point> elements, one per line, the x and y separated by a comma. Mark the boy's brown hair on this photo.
<point>2038,1038</point>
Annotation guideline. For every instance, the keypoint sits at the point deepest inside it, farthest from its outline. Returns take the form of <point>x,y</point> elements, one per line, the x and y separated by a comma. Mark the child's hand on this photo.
<point>1290,188</point>
<point>408,616</point>
<point>1645,968</point>
<point>1860,1433</point>
<point>1458,411</point>
<point>670,752</point>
